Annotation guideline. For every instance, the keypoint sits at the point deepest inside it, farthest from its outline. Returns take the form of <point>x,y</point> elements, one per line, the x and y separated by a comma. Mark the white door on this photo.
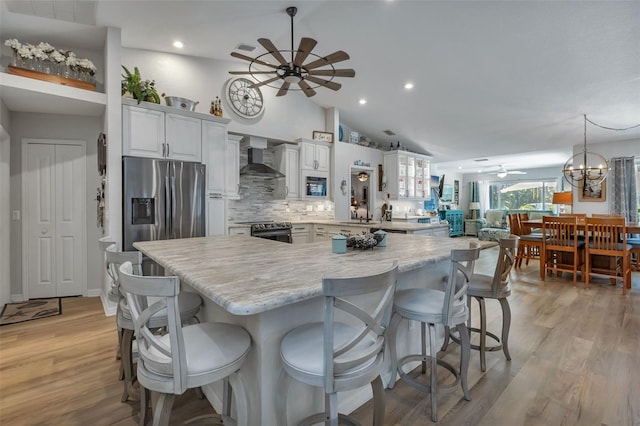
<point>54,261</point>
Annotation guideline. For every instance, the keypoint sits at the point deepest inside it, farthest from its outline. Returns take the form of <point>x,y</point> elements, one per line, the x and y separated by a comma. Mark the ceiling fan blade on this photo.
<point>326,83</point>
<point>283,89</point>
<point>306,88</point>
<point>251,72</point>
<point>306,46</point>
<point>336,73</point>
<point>262,83</point>
<point>250,59</point>
<point>268,45</point>
<point>328,60</point>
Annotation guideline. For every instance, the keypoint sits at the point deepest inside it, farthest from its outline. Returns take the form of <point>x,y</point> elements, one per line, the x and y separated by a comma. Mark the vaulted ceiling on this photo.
<point>491,80</point>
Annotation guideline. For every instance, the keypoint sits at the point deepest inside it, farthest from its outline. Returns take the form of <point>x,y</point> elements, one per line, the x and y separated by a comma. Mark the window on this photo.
<point>522,195</point>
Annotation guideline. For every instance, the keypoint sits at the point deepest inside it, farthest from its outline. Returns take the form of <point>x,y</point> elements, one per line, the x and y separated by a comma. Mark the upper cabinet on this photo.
<point>287,161</point>
<point>157,134</point>
<point>315,155</point>
<point>407,175</point>
<point>221,154</point>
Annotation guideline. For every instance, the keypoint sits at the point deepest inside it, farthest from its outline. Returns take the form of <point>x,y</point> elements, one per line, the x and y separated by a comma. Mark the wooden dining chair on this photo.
<point>607,253</point>
<point>561,248</point>
<point>530,244</point>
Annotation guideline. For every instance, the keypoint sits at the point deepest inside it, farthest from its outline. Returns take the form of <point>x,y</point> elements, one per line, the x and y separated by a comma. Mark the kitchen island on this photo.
<point>270,287</point>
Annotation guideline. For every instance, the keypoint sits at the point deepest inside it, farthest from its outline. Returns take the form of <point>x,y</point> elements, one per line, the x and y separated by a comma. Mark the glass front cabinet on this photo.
<point>407,175</point>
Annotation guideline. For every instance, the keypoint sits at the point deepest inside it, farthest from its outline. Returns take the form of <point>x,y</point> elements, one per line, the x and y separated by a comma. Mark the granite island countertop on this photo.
<point>247,275</point>
<point>400,225</point>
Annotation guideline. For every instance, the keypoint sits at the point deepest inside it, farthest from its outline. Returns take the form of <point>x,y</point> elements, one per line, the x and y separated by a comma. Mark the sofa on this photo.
<point>495,225</point>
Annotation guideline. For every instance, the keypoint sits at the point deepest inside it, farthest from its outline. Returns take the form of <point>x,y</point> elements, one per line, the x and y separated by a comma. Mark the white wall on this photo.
<point>50,126</point>
<point>5,212</point>
<point>286,118</point>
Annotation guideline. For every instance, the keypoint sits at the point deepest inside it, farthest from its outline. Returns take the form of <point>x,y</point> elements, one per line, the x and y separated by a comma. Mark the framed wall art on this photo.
<point>592,191</point>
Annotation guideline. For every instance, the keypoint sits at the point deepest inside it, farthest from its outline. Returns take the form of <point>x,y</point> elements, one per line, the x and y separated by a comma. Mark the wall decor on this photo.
<point>592,191</point>
<point>322,136</point>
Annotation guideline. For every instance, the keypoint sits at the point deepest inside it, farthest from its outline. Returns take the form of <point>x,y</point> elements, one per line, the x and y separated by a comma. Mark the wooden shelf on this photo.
<point>52,78</point>
<point>25,94</point>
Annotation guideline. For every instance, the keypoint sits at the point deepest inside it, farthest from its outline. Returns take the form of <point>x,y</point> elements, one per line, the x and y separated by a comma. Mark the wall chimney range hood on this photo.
<point>256,166</point>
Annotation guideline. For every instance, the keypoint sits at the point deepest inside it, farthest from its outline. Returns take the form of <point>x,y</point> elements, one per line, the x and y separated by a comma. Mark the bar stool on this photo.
<point>339,356</point>
<point>483,287</point>
<point>433,307</point>
<point>189,305</point>
<point>185,357</point>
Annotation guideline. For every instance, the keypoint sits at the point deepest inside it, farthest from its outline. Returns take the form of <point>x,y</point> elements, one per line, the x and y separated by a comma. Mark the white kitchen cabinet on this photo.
<point>287,162</point>
<point>232,166</point>
<point>221,154</point>
<point>407,175</point>
<point>300,233</point>
<point>321,233</point>
<point>244,230</point>
<point>315,156</point>
<point>216,215</point>
<point>157,134</point>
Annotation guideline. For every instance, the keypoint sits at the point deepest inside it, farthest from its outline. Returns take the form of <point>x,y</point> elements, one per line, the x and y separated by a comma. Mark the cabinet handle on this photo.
<point>286,190</point>
<point>168,151</point>
<point>163,150</point>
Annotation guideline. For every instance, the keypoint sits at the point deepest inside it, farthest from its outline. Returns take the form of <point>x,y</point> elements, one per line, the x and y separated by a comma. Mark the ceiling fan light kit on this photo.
<point>295,71</point>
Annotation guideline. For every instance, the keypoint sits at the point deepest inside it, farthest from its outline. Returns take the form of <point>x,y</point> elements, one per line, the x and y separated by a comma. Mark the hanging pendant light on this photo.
<point>363,176</point>
<point>586,165</point>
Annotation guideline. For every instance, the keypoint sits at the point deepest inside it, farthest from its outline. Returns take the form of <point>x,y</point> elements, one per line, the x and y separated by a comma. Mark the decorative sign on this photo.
<point>322,136</point>
<point>592,191</point>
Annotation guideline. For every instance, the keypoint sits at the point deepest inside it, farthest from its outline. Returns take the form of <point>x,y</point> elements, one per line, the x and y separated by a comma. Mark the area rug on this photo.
<point>33,309</point>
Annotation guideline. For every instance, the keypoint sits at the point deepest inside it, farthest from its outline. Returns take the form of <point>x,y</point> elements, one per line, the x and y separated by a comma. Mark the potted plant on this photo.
<point>141,90</point>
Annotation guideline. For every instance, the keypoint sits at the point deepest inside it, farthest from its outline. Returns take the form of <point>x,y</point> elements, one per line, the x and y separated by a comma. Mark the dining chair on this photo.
<point>561,248</point>
<point>432,308</point>
<point>185,357</point>
<point>341,354</point>
<point>607,253</point>
<point>189,307</point>
<point>496,286</point>
<point>530,244</point>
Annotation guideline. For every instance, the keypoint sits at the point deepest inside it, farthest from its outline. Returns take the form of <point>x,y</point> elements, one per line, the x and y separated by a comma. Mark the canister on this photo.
<point>339,244</point>
<point>383,240</point>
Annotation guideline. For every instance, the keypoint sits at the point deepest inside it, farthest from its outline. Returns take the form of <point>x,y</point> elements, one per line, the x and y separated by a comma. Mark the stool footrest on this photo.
<point>477,347</point>
<point>426,358</point>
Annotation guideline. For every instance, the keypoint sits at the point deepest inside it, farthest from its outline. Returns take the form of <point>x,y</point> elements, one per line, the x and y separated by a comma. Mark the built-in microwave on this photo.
<point>316,186</point>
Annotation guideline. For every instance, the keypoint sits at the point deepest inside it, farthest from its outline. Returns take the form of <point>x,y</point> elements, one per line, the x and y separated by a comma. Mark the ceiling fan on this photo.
<point>295,71</point>
<point>502,172</point>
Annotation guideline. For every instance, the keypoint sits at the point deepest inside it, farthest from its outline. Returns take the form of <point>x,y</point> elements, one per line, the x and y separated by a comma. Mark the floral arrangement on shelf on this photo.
<point>142,90</point>
<point>45,58</point>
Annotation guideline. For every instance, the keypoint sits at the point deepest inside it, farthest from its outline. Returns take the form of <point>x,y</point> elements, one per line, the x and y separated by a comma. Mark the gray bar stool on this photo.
<point>340,355</point>
<point>433,307</point>
<point>184,357</point>
<point>189,306</point>
<point>483,287</point>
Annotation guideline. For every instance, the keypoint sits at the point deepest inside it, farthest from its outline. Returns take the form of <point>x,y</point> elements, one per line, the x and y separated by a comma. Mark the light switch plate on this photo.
<point>15,214</point>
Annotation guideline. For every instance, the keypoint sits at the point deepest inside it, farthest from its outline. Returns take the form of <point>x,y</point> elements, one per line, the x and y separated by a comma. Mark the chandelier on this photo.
<point>586,166</point>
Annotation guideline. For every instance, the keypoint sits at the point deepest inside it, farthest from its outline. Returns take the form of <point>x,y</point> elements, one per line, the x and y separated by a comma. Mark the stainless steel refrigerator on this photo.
<point>163,199</point>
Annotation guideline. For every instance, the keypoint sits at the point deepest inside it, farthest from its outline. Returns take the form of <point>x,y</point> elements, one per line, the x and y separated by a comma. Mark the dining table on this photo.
<point>528,225</point>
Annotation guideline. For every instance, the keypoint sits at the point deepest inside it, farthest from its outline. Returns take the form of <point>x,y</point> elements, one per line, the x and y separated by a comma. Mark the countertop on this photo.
<point>247,276</point>
<point>391,225</point>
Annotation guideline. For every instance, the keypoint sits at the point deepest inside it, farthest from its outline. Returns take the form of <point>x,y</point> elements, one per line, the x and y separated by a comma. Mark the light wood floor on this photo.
<point>576,359</point>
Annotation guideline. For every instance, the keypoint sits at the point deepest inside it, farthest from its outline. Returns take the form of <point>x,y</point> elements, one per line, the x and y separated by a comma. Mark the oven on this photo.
<point>277,231</point>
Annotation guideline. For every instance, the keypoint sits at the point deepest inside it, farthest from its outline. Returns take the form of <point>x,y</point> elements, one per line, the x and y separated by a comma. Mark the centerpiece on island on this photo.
<point>364,241</point>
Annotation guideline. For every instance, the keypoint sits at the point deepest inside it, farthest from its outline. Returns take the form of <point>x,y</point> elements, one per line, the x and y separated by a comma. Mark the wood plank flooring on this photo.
<point>575,357</point>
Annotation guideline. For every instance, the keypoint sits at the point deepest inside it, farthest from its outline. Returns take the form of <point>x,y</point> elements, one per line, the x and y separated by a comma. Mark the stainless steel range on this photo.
<point>277,231</point>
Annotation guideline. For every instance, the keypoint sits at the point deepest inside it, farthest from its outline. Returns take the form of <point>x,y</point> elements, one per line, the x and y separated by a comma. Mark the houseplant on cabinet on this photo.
<point>139,89</point>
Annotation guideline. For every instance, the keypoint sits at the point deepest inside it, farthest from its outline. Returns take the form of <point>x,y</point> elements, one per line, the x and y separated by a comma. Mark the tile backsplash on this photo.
<point>257,201</point>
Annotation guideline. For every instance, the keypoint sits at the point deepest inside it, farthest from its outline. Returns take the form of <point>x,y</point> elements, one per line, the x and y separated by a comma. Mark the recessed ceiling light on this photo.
<point>408,86</point>
<point>178,44</point>
<point>362,101</point>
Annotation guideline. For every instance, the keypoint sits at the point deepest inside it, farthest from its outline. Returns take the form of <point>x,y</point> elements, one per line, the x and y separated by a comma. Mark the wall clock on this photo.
<point>244,100</point>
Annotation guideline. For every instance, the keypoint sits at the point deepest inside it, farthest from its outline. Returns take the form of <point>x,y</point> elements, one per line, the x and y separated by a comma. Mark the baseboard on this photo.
<point>16,298</point>
<point>108,306</point>
<point>94,293</point>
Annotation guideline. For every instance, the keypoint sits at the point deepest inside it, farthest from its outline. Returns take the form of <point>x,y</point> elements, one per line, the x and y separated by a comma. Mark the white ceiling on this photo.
<point>493,80</point>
